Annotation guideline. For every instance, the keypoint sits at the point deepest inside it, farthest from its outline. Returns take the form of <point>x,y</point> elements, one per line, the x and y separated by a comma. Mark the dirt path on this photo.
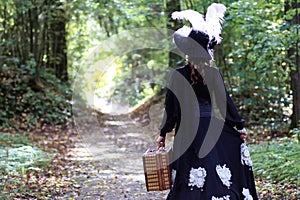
<point>110,156</point>
<point>106,160</point>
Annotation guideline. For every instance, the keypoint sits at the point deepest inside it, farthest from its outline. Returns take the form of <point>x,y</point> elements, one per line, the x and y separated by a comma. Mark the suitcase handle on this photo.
<point>160,149</point>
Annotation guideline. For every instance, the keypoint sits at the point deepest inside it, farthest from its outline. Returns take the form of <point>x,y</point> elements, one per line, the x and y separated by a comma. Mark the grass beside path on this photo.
<point>276,166</point>
<point>53,164</point>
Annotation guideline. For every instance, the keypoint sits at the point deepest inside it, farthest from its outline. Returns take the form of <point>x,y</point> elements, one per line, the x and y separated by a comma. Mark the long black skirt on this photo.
<point>224,173</point>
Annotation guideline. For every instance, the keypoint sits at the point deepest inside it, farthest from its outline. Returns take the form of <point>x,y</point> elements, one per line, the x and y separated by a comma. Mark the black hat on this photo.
<point>199,41</point>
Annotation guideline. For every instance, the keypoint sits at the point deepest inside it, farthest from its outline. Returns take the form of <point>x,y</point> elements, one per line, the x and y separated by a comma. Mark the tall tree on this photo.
<point>34,32</point>
<point>171,6</point>
<point>57,39</point>
<point>292,6</point>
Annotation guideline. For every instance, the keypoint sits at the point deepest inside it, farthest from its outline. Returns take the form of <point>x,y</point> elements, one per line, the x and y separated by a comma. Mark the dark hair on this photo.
<point>197,66</point>
<point>195,75</point>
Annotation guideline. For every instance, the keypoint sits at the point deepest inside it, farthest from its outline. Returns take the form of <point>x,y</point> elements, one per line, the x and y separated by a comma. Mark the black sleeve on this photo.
<point>223,100</point>
<point>172,111</point>
<point>232,116</point>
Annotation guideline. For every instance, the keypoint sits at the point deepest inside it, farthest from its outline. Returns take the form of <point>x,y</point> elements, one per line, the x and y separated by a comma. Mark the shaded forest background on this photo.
<point>44,44</point>
<point>61,57</point>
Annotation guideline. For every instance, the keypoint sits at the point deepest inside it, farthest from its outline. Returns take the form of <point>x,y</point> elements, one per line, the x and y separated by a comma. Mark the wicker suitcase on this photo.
<point>157,169</point>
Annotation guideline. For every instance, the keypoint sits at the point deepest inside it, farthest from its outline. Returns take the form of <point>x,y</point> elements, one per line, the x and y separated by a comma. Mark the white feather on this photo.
<point>211,25</point>
<point>194,17</point>
<point>214,18</point>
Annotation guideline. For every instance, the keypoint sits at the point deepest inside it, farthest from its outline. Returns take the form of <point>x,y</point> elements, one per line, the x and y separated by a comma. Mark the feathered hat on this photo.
<point>199,41</point>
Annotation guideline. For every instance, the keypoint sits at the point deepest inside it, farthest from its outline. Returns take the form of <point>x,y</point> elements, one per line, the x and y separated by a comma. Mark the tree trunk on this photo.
<point>171,6</point>
<point>58,49</point>
<point>295,84</point>
<point>293,53</point>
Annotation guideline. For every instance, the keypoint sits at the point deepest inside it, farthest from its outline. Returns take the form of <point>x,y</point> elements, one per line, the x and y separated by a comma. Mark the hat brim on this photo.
<point>188,45</point>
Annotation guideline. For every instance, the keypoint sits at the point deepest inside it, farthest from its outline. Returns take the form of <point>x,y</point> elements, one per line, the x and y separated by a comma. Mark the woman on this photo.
<point>210,158</point>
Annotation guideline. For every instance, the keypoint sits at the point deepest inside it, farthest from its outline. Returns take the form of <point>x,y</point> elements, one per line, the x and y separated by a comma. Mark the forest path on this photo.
<point>109,154</point>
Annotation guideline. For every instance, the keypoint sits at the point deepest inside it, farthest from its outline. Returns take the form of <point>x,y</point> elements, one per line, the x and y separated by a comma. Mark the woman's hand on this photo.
<point>243,133</point>
<point>160,141</point>
<point>244,136</point>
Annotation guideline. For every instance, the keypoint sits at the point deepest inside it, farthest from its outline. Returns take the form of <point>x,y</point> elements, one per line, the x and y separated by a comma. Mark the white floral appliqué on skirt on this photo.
<point>197,177</point>
<point>245,155</point>
<point>227,197</point>
<point>224,174</point>
<point>247,195</point>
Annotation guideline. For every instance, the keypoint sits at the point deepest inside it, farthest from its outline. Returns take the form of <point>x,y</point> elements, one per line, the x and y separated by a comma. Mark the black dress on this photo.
<point>209,161</point>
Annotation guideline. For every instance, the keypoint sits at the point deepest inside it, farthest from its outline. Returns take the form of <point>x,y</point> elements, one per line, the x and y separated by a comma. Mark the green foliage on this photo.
<point>114,17</point>
<point>277,160</point>
<point>26,104</point>
<point>20,158</point>
<point>257,68</point>
<point>17,156</point>
<point>296,132</point>
<point>252,56</point>
<point>255,65</point>
<point>13,140</point>
<point>32,52</point>
<point>142,72</point>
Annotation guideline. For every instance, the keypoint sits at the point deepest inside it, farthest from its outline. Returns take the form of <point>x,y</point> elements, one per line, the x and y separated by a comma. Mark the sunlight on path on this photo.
<point>110,107</point>
<point>113,160</point>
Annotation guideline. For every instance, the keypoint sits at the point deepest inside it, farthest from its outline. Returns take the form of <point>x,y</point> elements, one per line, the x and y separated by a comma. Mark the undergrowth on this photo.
<point>26,104</point>
<point>17,157</point>
<point>277,161</point>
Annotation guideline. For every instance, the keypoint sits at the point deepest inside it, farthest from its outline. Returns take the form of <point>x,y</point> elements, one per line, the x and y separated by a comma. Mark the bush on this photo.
<point>17,158</point>
<point>277,160</point>
<point>25,104</point>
